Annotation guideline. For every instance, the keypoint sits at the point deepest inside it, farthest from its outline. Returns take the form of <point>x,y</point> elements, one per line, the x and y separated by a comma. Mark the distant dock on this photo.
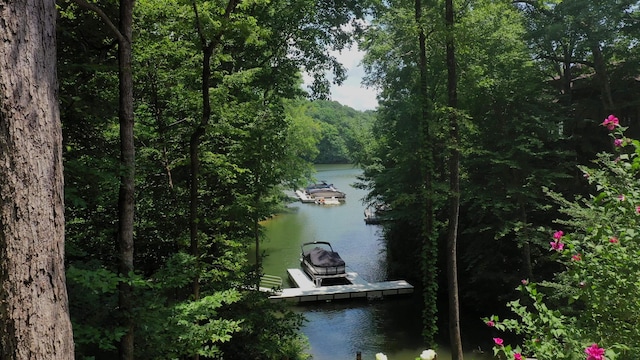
<point>306,291</point>
<point>304,197</point>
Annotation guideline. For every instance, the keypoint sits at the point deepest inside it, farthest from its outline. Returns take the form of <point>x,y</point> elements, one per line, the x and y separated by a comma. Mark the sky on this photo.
<point>352,93</point>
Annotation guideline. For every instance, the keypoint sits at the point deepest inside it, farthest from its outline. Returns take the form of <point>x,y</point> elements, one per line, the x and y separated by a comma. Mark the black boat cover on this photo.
<point>324,258</point>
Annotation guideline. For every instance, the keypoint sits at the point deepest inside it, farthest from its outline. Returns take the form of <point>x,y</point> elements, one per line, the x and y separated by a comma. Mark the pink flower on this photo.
<point>524,281</point>
<point>618,142</point>
<point>576,257</point>
<point>621,197</point>
<point>517,356</point>
<point>594,352</point>
<point>614,240</point>
<point>499,341</point>
<point>490,323</point>
<point>611,122</point>
<point>638,210</point>
<point>556,245</point>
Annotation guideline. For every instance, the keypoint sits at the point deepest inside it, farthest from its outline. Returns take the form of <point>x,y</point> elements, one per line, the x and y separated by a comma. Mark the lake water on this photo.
<point>338,330</point>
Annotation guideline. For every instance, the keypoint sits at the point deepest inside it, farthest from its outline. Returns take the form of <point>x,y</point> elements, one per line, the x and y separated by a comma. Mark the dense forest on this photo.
<point>184,121</point>
<point>482,111</point>
<point>344,132</point>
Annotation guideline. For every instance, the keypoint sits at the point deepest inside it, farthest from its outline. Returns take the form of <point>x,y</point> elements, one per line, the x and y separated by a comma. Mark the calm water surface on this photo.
<point>337,330</point>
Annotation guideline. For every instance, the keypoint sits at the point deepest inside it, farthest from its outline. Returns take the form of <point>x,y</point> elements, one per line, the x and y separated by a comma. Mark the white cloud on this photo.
<point>352,93</point>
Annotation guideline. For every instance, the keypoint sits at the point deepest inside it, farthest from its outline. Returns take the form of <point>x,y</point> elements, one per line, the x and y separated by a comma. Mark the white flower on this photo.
<point>428,355</point>
<point>381,356</point>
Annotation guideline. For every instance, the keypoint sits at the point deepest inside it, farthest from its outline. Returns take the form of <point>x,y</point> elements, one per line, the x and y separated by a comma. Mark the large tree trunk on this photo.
<point>454,189</point>
<point>127,158</point>
<point>34,309</point>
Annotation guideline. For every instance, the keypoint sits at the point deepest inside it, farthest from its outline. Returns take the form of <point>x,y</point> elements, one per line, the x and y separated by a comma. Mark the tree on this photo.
<point>514,133</point>
<point>126,198</point>
<point>403,172</point>
<point>590,305</point>
<point>124,35</point>
<point>249,146</point>
<point>503,116</point>
<point>344,132</point>
<point>589,50</point>
<point>34,314</point>
<point>454,186</point>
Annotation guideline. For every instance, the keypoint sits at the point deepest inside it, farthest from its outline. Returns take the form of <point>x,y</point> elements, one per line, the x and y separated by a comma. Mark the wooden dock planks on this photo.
<point>359,288</point>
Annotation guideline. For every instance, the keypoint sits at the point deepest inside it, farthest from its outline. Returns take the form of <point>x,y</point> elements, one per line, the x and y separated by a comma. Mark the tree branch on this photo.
<point>92,7</point>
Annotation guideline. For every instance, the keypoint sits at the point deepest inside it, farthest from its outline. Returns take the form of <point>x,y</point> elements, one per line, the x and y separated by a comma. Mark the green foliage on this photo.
<point>596,295</point>
<point>508,145</point>
<point>199,329</point>
<point>344,132</point>
<point>94,329</point>
<point>258,140</point>
<point>97,281</point>
<point>271,333</point>
<point>511,147</point>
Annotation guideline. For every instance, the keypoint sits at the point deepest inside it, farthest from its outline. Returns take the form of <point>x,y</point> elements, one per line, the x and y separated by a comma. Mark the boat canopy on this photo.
<point>324,258</point>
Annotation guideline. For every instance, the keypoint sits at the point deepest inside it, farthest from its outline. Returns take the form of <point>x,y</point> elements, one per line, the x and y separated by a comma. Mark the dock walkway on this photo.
<point>304,197</point>
<point>359,288</point>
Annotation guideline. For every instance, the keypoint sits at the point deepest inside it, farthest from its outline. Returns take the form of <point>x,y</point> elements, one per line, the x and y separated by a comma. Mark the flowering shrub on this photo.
<point>599,290</point>
<point>594,352</point>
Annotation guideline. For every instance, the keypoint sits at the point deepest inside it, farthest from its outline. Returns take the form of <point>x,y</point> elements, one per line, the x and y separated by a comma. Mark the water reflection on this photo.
<point>337,330</point>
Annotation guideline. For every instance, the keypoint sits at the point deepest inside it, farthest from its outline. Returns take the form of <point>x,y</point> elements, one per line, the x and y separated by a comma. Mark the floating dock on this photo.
<point>304,197</point>
<point>329,193</point>
<point>306,291</point>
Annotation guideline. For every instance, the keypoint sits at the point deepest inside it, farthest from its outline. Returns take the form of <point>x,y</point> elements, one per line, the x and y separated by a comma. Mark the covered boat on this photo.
<point>320,262</point>
<point>329,193</point>
<point>323,185</point>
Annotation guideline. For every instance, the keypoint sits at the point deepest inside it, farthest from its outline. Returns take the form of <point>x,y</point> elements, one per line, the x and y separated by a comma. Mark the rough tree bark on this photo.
<point>34,309</point>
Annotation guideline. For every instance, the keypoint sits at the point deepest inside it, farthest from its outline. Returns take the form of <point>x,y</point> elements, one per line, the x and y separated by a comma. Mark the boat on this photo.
<point>329,193</point>
<point>320,190</point>
<point>327,201</point>
<point>318,186</point>
<point>321,263</point>
<point>304,197</point>
<point>375,215</point>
